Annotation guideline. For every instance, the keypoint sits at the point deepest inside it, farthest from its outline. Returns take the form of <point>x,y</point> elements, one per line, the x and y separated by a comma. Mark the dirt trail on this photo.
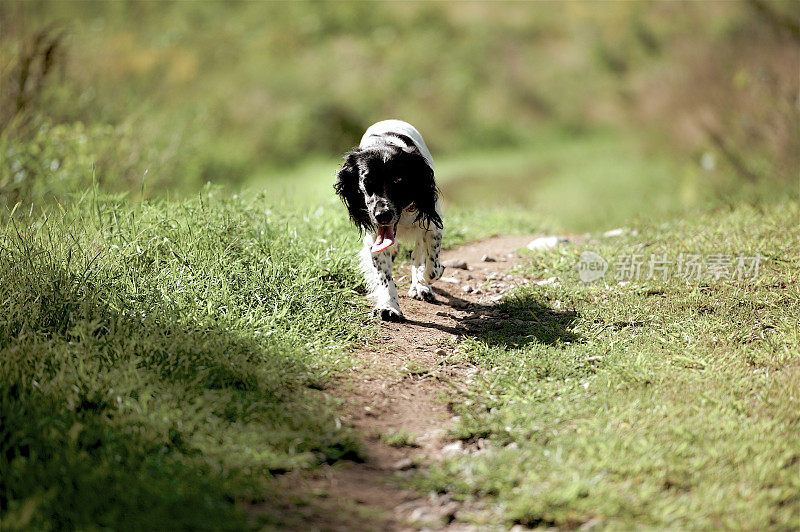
<point>399,385</point>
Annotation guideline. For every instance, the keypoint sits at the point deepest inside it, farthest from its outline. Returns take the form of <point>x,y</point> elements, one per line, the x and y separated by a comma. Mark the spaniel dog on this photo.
<point>388,188</point>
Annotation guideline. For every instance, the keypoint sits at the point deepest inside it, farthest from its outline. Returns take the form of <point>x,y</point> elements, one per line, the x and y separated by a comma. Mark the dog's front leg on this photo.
<point>426,266</point>
<point>420,289</point>
<point>378,273</point>
<point>433,246</point>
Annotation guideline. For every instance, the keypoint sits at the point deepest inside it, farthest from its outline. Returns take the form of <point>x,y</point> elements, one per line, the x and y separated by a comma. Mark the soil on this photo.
<point>401,385</point>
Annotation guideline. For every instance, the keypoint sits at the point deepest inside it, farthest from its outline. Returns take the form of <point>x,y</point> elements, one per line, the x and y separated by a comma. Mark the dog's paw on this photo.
<point>389,314</point>
<point>422,292</point>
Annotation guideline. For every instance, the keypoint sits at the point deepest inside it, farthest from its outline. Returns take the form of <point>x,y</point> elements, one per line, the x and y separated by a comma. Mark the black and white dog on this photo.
<point>388,188</point>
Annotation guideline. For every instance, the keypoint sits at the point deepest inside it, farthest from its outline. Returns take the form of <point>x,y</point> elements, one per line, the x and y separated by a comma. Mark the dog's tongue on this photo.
<point>384,239</point>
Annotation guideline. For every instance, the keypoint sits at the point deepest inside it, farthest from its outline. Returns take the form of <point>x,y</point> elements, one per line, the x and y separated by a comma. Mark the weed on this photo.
<point>400,438</point>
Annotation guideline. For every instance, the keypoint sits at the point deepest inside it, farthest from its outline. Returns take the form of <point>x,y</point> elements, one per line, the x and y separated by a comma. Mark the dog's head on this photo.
<point>377,183</point>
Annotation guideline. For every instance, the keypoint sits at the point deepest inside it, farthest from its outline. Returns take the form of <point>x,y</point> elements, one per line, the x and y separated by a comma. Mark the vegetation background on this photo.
<point>163,97</point>
<point>161,161</point>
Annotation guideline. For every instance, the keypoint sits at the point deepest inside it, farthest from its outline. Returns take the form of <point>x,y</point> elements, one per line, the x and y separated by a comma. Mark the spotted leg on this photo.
<point>377,269</point>
<point>426,266</point>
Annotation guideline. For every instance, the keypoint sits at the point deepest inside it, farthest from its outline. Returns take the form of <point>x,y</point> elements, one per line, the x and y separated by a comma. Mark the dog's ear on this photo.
<point>346,187</point>
<point>424,192</point>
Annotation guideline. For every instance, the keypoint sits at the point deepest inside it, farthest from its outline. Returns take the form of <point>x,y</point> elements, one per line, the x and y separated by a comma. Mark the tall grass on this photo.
<point>158,363</point>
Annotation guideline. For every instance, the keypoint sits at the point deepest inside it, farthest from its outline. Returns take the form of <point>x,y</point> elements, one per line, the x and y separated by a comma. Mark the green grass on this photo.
<point>171,353</point>
<point>572,181</point>
<point>159,363</point>
<point>559,182</point>
<point>400,438</point>
<point>659,403</point>
<point>310,186</point>
<point>163,98</point>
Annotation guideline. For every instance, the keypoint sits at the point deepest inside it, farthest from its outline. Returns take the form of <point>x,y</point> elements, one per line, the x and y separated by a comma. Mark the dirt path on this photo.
<point>399,387</point>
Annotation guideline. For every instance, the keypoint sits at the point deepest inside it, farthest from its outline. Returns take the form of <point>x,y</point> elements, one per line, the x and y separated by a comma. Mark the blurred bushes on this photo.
<point>196,92</point>
<point>63,158</point>
<point>727,89</point>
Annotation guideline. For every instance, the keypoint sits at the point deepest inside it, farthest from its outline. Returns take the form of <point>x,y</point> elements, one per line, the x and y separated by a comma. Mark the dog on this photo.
<point>387,184</point>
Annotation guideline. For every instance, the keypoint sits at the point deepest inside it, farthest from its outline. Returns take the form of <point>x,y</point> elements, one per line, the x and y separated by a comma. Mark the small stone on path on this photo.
<point>488,258</point>
<point>453,448</point>
<point>546,242</point>
<point>458,264</point>
<point>403,464</point>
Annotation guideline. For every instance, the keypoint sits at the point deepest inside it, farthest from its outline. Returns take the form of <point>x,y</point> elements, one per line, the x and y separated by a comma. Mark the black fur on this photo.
<point>346,186</point>
<point>396,177</point>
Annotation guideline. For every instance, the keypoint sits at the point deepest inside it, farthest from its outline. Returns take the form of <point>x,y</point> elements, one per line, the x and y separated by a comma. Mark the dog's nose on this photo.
<point>383,215</point>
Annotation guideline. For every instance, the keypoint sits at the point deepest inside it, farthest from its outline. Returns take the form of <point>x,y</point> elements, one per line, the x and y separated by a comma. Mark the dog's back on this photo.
<point>392,132</point>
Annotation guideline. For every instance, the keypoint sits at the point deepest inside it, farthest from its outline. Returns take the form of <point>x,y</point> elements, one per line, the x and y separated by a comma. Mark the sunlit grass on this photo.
<point>643,404</point>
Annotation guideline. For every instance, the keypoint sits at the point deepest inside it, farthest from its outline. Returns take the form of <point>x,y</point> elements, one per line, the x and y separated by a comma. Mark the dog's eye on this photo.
<point>370,186</point>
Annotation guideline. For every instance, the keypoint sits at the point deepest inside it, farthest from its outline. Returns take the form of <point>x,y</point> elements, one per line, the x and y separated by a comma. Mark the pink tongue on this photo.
<point>384,239</point>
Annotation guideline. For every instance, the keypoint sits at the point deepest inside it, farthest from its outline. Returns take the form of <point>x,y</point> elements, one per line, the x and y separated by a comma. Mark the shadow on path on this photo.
<point>516,322</point>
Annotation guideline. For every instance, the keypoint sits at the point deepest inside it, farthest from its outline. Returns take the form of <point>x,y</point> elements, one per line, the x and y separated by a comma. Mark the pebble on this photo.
<point>441,352</point>
<point>441,313</point>
<point>546,242</point>
<point>592,523</point>
<point>458,264</point>
<point>488,258</point>
<point>549,280</point>
<point>467,288</point>
<point>453,448</point>
<point>451,280</point>
<point>614,232</point>
<point>403,464</point>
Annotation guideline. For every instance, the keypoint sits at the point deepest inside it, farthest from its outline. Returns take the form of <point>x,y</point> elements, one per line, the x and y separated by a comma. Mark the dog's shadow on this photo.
<point>518,321</point>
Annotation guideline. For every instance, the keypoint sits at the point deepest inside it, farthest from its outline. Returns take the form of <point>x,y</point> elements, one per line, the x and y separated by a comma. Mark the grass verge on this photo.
<point>665,403</point>
<point>159,363</point>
